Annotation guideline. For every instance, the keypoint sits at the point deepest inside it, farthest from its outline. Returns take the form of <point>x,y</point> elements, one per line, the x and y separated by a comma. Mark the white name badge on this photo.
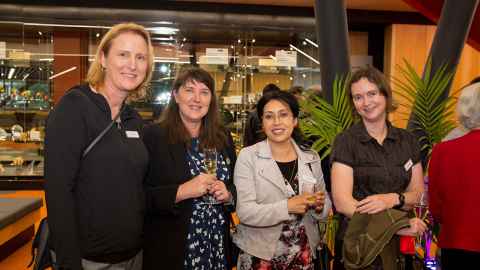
<point>132,134</point>
<point>408,165</point>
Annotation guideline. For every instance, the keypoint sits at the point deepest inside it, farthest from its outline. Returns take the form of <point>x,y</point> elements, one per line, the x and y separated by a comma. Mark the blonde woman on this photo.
<point>95,204</point>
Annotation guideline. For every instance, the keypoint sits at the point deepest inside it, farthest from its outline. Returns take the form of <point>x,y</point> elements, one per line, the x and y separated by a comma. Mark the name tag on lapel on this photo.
<point>408,165</point>
<point>132,134</point>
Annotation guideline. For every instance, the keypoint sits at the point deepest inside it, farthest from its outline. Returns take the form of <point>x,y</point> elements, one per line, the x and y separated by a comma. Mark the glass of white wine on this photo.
<point>309,188</point>
<point>210,162</point>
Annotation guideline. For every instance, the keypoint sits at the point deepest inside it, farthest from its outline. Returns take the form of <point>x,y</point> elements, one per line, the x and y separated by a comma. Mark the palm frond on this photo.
<point>325,121</point>
<point>432,114</point>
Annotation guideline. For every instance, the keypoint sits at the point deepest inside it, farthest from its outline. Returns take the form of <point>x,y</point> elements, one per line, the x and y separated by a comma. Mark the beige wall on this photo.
<point>412,43</point>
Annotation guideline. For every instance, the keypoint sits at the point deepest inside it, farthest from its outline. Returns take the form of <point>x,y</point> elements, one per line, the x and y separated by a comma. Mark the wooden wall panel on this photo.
<point>68,48</point>
<point>358,43</point>
<point>412,43</point>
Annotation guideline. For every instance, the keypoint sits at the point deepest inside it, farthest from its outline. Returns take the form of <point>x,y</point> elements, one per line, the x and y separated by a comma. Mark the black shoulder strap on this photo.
<point>104,131</point>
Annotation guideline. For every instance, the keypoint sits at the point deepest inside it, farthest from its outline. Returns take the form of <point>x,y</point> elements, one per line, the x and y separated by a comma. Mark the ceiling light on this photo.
<point>163,22</point>
<point>304,54</point>
<point>162,38</point>
<point>10,73</point>
<point>61,73</point>
<point>162,30</point>
<point>311,42</point>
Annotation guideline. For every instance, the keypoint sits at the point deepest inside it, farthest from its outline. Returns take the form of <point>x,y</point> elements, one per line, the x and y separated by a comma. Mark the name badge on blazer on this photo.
<point>132,134</point>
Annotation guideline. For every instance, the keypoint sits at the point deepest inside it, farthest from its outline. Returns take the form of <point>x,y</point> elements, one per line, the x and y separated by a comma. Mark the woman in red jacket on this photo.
<point>454,186</point>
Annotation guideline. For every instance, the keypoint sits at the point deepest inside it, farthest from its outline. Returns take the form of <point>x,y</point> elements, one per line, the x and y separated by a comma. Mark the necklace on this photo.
<point>292,174</point>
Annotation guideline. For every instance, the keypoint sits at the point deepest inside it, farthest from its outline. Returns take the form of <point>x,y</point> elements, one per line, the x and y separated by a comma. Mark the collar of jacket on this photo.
<point>368,234</point>
<point>101,102</point>
<point>263,151</point>
<point>361,132</point>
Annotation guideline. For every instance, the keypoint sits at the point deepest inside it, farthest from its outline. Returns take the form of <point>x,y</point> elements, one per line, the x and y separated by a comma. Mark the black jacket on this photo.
<point>166,224</point>
<point>96,204</point>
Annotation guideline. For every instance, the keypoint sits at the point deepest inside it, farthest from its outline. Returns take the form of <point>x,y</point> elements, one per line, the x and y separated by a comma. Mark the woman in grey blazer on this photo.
<point>278,216</point>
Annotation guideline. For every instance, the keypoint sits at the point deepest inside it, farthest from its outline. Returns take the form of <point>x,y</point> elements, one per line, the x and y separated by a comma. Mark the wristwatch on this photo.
<point>401,201</point>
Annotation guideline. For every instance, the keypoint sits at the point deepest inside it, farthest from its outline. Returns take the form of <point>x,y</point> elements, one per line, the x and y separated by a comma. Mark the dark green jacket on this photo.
<point>368,236</point>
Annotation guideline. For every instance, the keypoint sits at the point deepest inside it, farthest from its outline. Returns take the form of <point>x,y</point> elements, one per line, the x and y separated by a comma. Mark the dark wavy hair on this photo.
<point>376,77</point>
<point>212,132</point>
<point>292,103</point>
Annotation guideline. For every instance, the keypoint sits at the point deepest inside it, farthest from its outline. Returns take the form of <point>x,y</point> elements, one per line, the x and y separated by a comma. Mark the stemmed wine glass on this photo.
<point>210,162</point>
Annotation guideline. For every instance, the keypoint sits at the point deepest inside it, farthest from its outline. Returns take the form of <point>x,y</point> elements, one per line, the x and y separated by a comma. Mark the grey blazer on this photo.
<point>262,199</point>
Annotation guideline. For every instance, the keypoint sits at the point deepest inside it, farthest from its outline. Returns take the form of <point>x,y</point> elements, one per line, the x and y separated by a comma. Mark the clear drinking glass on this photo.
<point>313,189</point>
<point>309,188</point>
<point>210,162</point>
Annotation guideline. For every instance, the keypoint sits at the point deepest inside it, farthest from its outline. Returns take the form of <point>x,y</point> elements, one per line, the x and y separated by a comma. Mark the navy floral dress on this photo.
<point>205,240</point>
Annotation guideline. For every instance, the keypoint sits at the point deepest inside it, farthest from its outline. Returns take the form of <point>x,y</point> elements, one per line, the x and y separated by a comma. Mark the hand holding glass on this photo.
<point>315,189</point>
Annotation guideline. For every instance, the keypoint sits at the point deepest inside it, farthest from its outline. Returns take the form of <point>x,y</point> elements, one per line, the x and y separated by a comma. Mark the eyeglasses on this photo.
<point>281,116</point>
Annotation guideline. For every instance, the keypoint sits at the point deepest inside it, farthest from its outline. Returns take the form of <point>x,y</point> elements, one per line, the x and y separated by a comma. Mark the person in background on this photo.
<point>253,128</point>
<point>454,186</point>
<point>96,204</point>
<point>375,166</point>
<point>297,91</point>
<point>278,214</point>
<point>189,196</point>
<point>460,131</point>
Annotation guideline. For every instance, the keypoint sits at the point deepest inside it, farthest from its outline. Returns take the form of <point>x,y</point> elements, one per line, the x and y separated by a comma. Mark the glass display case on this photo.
<point>35,71</point>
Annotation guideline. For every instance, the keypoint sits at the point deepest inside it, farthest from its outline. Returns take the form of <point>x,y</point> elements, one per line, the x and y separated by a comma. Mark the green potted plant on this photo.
<point>432,117</point>
<point>430,113</point>
<point>324,121</point>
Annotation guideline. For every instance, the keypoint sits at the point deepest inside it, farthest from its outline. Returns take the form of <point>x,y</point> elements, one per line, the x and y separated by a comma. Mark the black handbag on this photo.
<point>41,246</point>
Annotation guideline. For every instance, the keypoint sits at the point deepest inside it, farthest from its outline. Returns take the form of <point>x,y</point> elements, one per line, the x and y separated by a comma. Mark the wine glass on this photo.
<point>210,162</point>
<point>309,188</point>
<point>421,209</point>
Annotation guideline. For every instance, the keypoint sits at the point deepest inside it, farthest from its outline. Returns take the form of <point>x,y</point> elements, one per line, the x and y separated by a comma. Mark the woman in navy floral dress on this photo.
<point>188,209</point>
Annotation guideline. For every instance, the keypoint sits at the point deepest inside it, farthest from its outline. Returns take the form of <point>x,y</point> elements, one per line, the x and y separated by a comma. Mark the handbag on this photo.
<point>41,246</point>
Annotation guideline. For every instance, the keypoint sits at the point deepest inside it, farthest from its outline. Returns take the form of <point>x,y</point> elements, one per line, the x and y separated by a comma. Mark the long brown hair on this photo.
<point>212,132</point>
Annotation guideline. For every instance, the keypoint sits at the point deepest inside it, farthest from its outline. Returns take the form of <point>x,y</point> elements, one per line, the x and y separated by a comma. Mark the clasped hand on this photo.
<point>207,183</point>
<point>300,204</point>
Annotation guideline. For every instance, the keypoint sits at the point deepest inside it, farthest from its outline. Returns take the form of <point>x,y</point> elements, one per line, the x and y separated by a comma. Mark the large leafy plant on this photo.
<point>324,121</point>
<point>431,113</point>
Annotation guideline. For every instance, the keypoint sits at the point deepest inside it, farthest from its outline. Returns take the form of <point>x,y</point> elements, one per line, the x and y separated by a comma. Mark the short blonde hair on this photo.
<point>96,73</point>
<point>468,106</point>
